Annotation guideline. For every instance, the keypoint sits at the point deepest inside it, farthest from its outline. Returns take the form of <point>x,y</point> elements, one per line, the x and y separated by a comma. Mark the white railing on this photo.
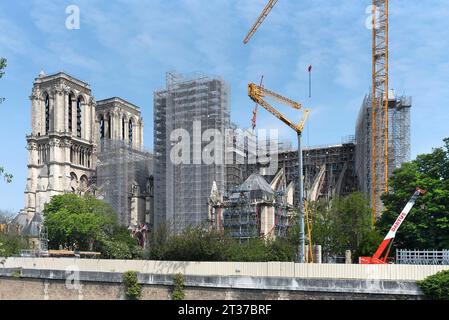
<point>415,257</point>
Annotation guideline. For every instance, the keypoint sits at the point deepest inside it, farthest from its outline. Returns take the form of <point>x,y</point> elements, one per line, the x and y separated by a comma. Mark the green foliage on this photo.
<point>2,72</point>
<point>436,287</point>
<point>91,224</point>
<point>178,287</point>
<point>133,289</point>
<point>199,244</point>
<point>11,244</point>
<point>7,176</point>
<point>345,225</point>
<point>17,273</point>
<point>3,64</point>
<point>427,225</point>
<point>368,246</point>
<point>119,245</point>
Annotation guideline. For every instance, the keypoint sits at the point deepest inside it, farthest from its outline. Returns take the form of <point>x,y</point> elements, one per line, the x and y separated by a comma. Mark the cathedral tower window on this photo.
<point>130,128</point>
<point>47,114</point>
<point>123,128</point>
<point>78,117</point>
<point>110,127</point>
<point>70,114</point>
<point>102,129</point>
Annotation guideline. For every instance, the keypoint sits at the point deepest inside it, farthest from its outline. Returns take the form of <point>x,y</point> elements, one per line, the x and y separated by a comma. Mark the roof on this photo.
<point>33,228</point>
<point>256,182</point>
<point>257,187</point>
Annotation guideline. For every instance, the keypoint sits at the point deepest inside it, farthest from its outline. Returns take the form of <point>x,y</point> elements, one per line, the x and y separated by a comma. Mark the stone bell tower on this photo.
<point>62,146</point>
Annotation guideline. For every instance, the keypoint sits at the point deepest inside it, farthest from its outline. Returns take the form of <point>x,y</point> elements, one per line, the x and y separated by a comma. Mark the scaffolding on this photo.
<point>242,213</point>
<point>241,217</point>
<point>415,257</point>
<point>399,142</point>
<point>329,171</point>
<point>195,103</point>
<point>123,172</point>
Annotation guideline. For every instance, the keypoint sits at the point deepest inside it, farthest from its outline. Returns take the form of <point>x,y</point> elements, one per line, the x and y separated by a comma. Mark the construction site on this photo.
<point>255,187</point>
<point>364,162</point>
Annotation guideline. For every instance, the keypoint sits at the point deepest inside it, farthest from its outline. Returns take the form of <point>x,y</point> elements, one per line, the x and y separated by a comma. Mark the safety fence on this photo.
<point>415,257</point>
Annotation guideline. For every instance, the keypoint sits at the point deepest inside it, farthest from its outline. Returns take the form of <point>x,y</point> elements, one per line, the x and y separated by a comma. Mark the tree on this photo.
<point>344,225</point>
<point>427,226</point>
<point>8,177</point>
<point>2,66</point>
<point>89,223</point>
<point>12,244</point>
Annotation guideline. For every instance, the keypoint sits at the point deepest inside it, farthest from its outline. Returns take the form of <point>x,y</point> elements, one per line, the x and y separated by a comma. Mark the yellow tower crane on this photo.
<point>257,94</point>
<point>379,107</point>
<point>260,20</point>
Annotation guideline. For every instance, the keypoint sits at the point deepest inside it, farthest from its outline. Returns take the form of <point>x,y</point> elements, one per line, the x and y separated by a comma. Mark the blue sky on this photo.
<point>125,47</point>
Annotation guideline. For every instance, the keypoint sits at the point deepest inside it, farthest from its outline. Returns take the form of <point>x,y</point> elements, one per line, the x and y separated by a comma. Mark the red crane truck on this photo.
<point>381,255</point>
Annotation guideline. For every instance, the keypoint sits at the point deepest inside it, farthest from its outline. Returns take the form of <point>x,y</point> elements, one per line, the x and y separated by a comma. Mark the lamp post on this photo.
<point>302,242</point>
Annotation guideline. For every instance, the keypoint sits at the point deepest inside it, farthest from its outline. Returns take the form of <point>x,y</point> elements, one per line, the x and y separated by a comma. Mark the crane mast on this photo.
<point>379,106</point>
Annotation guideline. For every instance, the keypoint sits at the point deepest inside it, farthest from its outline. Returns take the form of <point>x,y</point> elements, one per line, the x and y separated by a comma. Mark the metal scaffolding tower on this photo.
<point>123,172</point>
<point>193,104</point>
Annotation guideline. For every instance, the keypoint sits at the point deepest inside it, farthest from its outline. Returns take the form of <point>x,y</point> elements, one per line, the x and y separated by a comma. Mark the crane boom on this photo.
<point>257,94</point>
<point>260,20</point>
<point>388,241</point>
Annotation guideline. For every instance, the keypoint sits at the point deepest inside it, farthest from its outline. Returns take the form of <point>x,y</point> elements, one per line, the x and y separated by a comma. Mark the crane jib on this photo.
<point>403,216</point>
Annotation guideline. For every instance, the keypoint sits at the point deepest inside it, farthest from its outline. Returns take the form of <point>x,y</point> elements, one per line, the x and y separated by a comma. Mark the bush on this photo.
<point>133,289</point>
<point>436,287</point>
<point>178,287</point>
<point>11,245</point>
<point>198,244</point>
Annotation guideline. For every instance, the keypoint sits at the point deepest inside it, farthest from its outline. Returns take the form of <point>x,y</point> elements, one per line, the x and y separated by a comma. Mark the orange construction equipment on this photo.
<point>381,255</point>
<point>256,107</point>
<point>379,105</point>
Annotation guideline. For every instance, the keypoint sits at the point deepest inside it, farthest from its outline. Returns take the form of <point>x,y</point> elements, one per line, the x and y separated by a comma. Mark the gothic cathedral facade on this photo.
<point>69,128</point>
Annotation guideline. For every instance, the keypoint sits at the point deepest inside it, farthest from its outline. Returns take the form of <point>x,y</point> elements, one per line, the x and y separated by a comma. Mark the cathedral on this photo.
<point>83,146</point>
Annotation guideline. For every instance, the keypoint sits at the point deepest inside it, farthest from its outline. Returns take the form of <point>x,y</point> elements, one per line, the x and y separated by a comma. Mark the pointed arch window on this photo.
<point>123,128</point>
<point>70,113</point>
<point>102,127</point>
<point>130,131</point>
<point>47,114</point>
<point>78,117</point>
<point>110,126</point>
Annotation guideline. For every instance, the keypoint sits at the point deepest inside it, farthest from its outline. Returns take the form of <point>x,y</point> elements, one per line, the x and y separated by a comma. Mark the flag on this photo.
<point>310,68</point>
